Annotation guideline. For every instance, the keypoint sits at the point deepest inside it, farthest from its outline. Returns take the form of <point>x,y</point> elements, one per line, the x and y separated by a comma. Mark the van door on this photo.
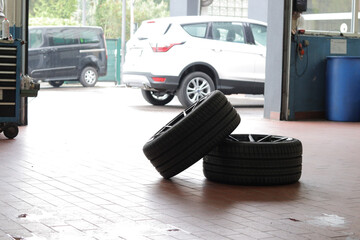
<point>39,55</point>
<point>64,44</point>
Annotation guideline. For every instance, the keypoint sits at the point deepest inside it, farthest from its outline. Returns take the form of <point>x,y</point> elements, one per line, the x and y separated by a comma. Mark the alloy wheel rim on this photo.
<point>159,96</point>
<point>197,88</point>
<point>90,77</point>
<point>178,118</point>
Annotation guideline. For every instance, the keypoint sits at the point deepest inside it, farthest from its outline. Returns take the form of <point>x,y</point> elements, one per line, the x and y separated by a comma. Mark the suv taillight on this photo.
<point>162,47</point>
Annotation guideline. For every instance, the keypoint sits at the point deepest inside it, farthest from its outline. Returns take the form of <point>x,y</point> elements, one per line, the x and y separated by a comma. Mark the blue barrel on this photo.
<point>343,88</point>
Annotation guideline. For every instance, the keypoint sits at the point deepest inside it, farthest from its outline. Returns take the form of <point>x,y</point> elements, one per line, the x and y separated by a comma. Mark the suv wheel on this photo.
<point>88,77</point>
<point>157,98</point>
<point>56,83</point>
<point>195,86</point>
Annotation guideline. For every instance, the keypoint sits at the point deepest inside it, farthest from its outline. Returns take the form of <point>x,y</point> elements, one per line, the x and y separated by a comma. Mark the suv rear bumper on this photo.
<point>145,81</point>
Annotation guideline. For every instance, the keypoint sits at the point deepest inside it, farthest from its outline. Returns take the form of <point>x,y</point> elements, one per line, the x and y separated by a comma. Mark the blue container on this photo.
<point>343,88</point>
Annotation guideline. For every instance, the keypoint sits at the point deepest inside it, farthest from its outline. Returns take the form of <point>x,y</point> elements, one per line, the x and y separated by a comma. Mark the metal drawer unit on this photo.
<point>10,68</point>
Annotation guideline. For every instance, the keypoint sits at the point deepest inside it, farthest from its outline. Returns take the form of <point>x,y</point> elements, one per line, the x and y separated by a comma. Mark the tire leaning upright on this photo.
<point>191,134</point>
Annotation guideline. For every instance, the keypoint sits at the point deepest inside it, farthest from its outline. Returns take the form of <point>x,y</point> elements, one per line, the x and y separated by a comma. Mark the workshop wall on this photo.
<point>14,13</point>
<point>307,95</point>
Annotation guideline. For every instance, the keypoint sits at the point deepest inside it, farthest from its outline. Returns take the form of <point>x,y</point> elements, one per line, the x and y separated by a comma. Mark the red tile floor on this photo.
<point>77,171</point>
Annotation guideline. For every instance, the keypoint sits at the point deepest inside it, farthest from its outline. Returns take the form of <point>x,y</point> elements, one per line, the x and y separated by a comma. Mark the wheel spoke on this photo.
<point>266,138</point>
<point>232,138</point>
<point>251,139</point>
<point>204,85</point>
<point>282,139</point>
<point>197,80</point>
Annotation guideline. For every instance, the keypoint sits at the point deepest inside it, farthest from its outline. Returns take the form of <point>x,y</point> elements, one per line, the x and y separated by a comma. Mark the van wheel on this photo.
<point>89,77</point>
<point>56,83</point>
<point>157,98</point>
<point>195,86</point>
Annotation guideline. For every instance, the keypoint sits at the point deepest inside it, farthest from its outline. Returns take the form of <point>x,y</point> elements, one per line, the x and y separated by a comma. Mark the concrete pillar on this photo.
<point>184,7</point>
<point>277,60</point>
<point>258,10</point>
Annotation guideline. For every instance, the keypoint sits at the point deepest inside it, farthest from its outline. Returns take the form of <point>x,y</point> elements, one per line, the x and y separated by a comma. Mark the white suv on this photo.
<point>194,55</point>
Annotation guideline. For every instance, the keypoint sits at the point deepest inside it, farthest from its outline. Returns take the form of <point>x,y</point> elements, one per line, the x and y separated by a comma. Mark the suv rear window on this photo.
<point>151,29</point>
<point>196,30</point>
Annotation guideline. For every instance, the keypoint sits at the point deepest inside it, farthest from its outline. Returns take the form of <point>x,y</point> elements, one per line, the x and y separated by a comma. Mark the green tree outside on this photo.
<point>104,13</point>
<point>109,12</point>
<point>54,8</point>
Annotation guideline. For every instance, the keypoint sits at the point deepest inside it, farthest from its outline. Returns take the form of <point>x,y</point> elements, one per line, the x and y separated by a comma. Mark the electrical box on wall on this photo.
<point>299,5</point>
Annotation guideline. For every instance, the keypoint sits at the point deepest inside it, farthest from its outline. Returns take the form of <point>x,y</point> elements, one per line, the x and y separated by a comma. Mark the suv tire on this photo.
<point>157,98</point>
<point>191,134</point>
<point>267,160</point>
<point>56,83</point>
<point>89,77</point>
<point>194,86</point>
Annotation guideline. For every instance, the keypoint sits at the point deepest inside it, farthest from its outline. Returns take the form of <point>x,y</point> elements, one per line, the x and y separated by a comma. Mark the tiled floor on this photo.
<point>77,171</point>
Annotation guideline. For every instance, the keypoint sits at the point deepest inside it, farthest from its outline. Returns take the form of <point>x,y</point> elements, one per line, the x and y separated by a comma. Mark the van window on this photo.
<point>88,36</point>
<point>196,30</point>
<point>36,38</point>
<point>259,33</point>
<point>62,37</point>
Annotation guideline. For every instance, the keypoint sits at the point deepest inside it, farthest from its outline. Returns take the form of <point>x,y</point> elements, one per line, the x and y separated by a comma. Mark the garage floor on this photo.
<point>77,171</point>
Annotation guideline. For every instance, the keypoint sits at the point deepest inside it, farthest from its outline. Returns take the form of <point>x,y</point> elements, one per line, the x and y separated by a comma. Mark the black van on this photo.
<point>58,54</point>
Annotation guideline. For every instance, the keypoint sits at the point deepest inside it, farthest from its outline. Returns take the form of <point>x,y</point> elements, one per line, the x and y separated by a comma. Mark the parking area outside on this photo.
<point>77,171</point>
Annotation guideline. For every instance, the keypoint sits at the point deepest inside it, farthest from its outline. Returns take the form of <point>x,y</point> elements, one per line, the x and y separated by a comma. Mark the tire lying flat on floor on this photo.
<point>255,160</point>
<point>191,134</point>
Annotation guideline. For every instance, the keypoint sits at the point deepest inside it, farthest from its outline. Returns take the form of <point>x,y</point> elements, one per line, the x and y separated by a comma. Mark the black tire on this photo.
<point>89,77</point>
<point>267,160</point>
<point>157,98</point>
<point>191,134</point>
<point>194,86</point>
<point>253,163</point>
<point>252,180</point>
<point>11,130</point>
<point>56,83</point>
<point>265,147</point>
